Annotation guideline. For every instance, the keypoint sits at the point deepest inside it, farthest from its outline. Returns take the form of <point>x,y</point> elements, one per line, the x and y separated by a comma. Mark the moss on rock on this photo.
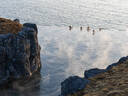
<point>9,26</point>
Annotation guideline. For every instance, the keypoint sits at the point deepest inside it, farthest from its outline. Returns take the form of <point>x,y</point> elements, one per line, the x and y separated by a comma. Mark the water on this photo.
<point>65,53</point>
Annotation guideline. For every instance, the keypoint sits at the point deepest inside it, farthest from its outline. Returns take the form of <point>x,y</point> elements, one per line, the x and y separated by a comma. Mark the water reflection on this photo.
<point>53,71</point>
<point>24,87</point>
<point>70,27</point>
<point>88,28</point>
<point>100,29</point>
<point>93,33</point>
<point>66,53</point>
<point>66,50</point>
<point>81,28</point>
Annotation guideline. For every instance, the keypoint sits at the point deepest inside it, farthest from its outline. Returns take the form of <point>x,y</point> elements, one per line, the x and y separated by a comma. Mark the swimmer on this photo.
<point>88,28</point>
<point>81,28</point>
<point>93,30</point>
<point>70,27</point>
<point>100,29</point>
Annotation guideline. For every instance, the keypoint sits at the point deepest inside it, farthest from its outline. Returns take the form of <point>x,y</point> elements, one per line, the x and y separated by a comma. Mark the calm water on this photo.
<point>65,53</point>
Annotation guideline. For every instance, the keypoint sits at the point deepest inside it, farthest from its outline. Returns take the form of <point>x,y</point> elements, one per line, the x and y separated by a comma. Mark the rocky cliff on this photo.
<point>19,50</point>
<point>112,81</point>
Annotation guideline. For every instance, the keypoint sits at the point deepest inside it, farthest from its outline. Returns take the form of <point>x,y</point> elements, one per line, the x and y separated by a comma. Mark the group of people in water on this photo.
<point>88,29</point>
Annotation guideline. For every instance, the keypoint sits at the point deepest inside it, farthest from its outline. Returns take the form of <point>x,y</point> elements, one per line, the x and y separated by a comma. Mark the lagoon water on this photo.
<point>67,52</point>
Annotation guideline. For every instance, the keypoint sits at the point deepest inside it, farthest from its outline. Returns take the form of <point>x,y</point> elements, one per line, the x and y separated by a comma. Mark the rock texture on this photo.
<point>9,26</point>
<point>112,81</point>
<point>19,51</point>
<point>92,72</point>
<point>72,85</point>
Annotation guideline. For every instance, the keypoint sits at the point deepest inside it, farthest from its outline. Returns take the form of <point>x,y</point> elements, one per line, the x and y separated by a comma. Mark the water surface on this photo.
<point>67,52</point>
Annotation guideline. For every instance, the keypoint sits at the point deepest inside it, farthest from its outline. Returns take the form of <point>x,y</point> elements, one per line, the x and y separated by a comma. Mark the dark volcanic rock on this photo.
<point>76,84</point>
<point>123,59</point>
<point>17,20</point>
<point>110,66</point>
<point>19,54</point>
<point>92,72</point>
<point>30,26</point>
<point>72,85</point>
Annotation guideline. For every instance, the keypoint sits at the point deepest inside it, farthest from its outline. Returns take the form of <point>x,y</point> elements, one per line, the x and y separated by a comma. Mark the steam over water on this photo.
<point>70,52</point>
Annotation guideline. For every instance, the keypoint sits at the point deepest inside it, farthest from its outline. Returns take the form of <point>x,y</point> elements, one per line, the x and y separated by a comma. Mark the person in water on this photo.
<point>70,27</point>
<point>88,28</point>
<point>93,32</point>
<point>81,28</point>
<point>100,29</point>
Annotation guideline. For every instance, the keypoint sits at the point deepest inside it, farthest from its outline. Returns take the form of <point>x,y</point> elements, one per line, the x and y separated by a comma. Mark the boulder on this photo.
<point>123,59</point>
<point>30,25</point>
<point>92,72</point>
<point>17,20</point>
<point>72,85</point>
<point>110,66</point>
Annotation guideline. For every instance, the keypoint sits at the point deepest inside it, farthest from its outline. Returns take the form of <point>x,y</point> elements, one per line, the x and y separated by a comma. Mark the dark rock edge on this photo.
<point>19,55</point>
<point>74,84</point>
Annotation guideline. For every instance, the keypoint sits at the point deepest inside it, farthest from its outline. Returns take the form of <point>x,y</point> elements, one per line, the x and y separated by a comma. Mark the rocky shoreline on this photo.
<point>19,51</point>
<point>20,61</point>
<point>112,81</point>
